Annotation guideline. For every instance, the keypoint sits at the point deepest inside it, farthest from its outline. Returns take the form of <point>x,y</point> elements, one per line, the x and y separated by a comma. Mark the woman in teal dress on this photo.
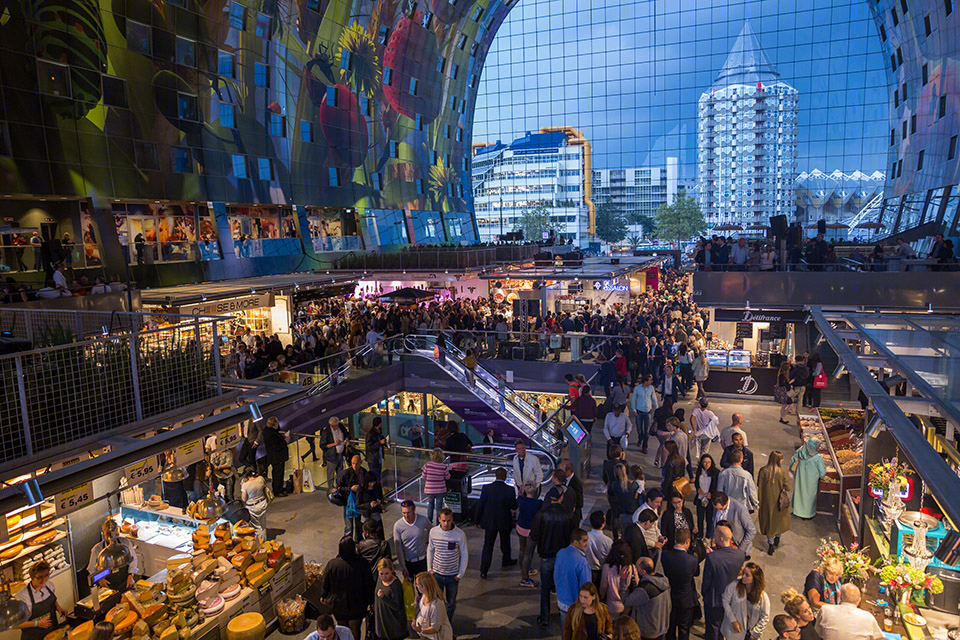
<point>809,469</point>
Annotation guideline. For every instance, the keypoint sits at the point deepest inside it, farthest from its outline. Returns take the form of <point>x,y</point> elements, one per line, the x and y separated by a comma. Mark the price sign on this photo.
<point>189,453</point>
<point>265,588</point>
<point>142,471</point>
<point>72,499</point>
<point>228,437</point>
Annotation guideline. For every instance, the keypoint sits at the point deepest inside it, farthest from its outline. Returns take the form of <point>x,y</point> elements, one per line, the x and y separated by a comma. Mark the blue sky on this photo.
<point>630,73</point>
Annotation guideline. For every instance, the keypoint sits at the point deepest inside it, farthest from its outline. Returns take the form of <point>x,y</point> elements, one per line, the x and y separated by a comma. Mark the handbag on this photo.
<point>820,381</point>
<point>783,500</point>
<point>683,487</point>
<point>409,599</point>
<point>337,498</point>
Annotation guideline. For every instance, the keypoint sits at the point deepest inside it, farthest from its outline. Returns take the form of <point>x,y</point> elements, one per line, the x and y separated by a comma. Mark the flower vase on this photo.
<point>891,506</point>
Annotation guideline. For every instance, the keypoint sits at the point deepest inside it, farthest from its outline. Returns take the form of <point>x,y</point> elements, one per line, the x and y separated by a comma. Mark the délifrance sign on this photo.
<point>758,315</point>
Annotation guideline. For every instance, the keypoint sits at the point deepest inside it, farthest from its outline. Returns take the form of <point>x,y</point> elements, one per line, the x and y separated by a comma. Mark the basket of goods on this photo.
<point>313,572</point>
<point>291,614</point>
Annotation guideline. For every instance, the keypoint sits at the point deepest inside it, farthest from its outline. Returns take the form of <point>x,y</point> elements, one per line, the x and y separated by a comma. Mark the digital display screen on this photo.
<point>576,432</point>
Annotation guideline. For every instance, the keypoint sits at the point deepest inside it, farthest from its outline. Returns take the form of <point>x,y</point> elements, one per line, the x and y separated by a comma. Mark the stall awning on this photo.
<point>602,268</point>
<point>407,295</point>
<point>925,350</point>
<point>286,282</point>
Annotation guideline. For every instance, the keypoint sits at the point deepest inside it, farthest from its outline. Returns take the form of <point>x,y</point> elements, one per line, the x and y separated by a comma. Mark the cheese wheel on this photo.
<point>118,613</point>
<point>231,592</point>
<point>12,552</point>
<point>83,631</point>
<point>58,634</point>
<point>13,521</point>
<point>212,606</point>
<point>170,633</point>
<point>246,626</point>
<point>124,625</point>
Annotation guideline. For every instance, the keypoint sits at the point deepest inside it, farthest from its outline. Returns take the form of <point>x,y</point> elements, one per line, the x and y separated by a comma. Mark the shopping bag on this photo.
<point>820,382</point>
<point>307,481</point>
<point>410,599</point>
<point>298,481</point>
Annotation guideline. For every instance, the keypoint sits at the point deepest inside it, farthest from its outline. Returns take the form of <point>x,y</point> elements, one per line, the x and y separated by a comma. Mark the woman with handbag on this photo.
<point>818,379</point>
<point>675,517</point>
<point>773,489</point>
<point>674,466</point>
<point>781,391</point>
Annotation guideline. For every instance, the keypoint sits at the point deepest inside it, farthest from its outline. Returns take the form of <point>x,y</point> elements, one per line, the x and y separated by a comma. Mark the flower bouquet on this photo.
<point>887,472</point>
<point>855,561</point>
<point>904,581</point>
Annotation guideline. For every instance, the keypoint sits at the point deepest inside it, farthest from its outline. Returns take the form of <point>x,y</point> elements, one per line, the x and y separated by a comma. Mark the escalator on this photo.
<point>477,399</point>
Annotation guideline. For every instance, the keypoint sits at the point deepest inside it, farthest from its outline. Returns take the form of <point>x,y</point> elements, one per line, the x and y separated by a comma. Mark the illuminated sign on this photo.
<point>610,286</point>
<point>233,305</point>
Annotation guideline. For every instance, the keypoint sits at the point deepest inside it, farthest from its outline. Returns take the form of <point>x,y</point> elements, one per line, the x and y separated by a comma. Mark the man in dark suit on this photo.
<point>568,498</point>
<point>742,529</point>
<point>573,483</point>
<point>681,568</point>
<point>494,516</point>
<point>655,360</point>
<point>633,535</point>
<point>721,567</point>
<point>737,443</point>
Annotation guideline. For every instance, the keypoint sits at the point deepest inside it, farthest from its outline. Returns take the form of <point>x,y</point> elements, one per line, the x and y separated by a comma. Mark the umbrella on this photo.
<point>869,225</point>
<point>758,227</point>
<point>728,227</point>
<point>407,295</point>
<point>837,225</point>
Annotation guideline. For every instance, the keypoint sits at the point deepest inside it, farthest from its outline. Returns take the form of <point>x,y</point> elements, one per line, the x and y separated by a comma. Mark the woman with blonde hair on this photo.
<point>588,618</point>
<point>746,606</point>
<point>822,585</point>
<point>389,611</point>
<point>623,498</point>
<point>431,621</point>
<point>626,628</point>
<point>435,475</point>
<point>799,609</point>
<point>772,484</point>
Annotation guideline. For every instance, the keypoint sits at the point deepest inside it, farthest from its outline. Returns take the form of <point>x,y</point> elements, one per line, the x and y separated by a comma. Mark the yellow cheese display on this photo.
<point>133,599</point>
<point>126,623</point>
<point>222,531</point>
<point>170,633</point>
<point>82,631</point>
<point>11,552</point>
<point>152,613</point>
<point>140,629</point>
<point>118,613</point>
<point>246,626</point>
<point>177,561</point>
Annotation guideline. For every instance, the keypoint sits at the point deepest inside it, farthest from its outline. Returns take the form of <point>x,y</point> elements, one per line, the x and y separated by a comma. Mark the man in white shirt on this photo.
<point>654,499</point>
<point>846,621</point>
<point>598,544</point>
<point>726,436</point>
<point>526,469</point>
<point>736,482</point>
<point>704,423</point>
<point>616,426</point>
<point>60,279</point>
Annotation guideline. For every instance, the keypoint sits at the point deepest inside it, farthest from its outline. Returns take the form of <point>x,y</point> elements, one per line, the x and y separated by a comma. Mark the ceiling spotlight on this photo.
<point>840,370</point>
<point>255,412</point>
<point>31,491</point>
<point>875,427</point>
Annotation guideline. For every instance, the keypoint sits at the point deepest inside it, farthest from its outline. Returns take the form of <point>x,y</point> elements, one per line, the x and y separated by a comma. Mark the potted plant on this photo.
<point>857,566</point>
<point>904,582</point>
<point>886,478</point>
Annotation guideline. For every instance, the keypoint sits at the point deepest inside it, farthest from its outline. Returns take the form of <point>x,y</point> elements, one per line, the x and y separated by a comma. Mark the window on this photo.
<point>904,134</point>
<point>332,97</point>
<point>346,60</point>
<point>420,189</point>
<point>313,5</point>
<point>239,164</point>
<point>413,86</point>
<point>903,5</point>
<point>384,35</point>
<point>394,148</point>
<point>388,76</point>
<point>186,52</point>
<point>237,15</point>
<point>454,69</point>
<point>187,106</point>
<point>306,131</point>
<point>943,107</point>
<point>924,74</point>
<point>883,33</point>
<point>926,25</point>
<point>952,151</point>
<point>180,159</point>
<point>948,6</point>
<point>427,21</point>
<point>261,74</point>
<point>913,123</point>
<point>138,37</point>
<point>920,160</point>
<point>446,131</point>
<point>896,18</point>
<point>896,98</point>
<point>366,105</point>
<point>225,64</point>
<point>453,103</point>
<point>899,56</point>
<point>464,164</point>
<point>278,125</point>
<point>146,155</point>
<point>418,122</point>
<point>900,167</point>
<point>4,139</point>
<point>441,64</point>
<point>376,181</point>
<point>462,41</point>
<point>477,14</point>
<point>459,134</point>
<point>903,92</point>
<point>263,25</point>
<point>333,176</point>
<point>474,47</point>
<point>265,168</point>
<point>114,91</point>
<point>893,62</point>
<point>227,115</point>
<point>463,105</point>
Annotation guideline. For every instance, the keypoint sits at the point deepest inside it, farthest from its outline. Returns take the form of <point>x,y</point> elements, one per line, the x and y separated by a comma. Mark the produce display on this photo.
<point>314,572</point>
<point>291,614</point>
<point>845,430</point>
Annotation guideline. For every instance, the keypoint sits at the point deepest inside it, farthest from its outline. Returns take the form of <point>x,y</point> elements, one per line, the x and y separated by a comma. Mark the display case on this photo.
<point>158,533</point>
<point>841,435</point>
<point>738,360</point>
<point>717,358</point>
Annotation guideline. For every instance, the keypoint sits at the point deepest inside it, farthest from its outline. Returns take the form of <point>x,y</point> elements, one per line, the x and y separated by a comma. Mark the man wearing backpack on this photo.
<point>799,373</point>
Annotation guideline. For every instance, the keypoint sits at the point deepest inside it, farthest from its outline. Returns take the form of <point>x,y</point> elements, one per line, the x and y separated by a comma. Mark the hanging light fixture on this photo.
<point>13,612</point>
<point>114,555</point>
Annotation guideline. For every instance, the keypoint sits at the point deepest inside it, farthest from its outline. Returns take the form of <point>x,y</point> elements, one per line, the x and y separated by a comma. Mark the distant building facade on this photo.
<point>637,191</point>
<point>747,140</point>
<point>836,197</point>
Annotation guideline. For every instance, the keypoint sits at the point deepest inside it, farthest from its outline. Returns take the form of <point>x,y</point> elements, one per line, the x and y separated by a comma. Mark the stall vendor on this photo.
<point>42,600</point>
<point>121,578</point>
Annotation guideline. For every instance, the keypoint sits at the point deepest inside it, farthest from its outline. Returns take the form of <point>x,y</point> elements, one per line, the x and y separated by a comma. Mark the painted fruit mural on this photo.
<point>344,127</point>
<point>408,55</point>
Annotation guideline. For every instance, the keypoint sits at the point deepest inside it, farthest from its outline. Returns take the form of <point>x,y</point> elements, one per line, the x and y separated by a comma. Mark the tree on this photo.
<point>611,225</point>
<point>535,222</point>
<point>633,241</point>
<point>680,220</point>
<point>647,224</point>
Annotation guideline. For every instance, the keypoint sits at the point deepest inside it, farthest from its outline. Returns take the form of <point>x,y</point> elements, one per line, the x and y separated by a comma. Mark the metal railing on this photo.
<point>53,396</point>
<point>49,327</point>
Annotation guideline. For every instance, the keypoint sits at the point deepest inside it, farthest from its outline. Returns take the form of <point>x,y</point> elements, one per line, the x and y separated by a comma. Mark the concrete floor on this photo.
<point>498,607</point>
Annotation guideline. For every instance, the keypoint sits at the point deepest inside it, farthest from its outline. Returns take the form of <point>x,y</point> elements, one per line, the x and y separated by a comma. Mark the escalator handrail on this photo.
<point>556,411</point>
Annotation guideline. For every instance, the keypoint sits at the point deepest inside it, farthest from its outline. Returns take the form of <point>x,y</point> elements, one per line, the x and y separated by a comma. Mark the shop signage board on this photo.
<point>227,438</point>
<point>759,315</point>
<point>74,498</point>
<point>189,453</point>
<point>230,305</point>
<point>610,286</point>
<point>69,461</point>
<point>142,471</point>
<point>745,330</point>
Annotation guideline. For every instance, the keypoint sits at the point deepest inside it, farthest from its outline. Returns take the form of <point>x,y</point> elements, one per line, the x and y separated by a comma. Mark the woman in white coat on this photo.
<point>746,607</point>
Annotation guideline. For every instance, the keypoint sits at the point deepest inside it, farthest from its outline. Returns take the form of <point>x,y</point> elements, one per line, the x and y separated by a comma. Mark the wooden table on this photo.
<point>871,592</point>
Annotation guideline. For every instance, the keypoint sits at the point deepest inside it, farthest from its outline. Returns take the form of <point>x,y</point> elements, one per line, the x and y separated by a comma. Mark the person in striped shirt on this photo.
<point>447,557</point>
<point>435,475</point>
